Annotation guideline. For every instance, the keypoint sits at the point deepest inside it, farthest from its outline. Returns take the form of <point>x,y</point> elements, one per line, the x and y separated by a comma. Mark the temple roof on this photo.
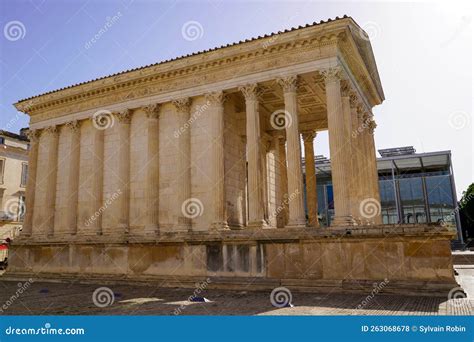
<point>189,55</point>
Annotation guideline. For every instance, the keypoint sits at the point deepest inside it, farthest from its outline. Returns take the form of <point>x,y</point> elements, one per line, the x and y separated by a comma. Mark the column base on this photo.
<point>343,221</point>
<point>219,225</point>
<point>151,229</point>
<point>257,224</point>
<point>300,223</point>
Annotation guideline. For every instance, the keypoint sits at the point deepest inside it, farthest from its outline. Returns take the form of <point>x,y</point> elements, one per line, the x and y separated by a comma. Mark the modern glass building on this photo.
<point>414,188</point>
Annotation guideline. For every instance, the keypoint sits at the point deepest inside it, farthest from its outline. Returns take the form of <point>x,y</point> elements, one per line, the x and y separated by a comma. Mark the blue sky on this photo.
<point>423,52</point>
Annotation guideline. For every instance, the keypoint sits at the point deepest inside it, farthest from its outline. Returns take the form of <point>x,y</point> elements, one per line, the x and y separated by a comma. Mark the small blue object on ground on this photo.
<point>199,299</point>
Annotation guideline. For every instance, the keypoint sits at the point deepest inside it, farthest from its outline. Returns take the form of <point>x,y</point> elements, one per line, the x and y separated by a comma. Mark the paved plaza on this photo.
<point>41,298</point>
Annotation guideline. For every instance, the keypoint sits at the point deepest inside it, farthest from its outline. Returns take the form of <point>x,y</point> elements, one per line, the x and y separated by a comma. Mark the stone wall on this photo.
<point>415,263</point>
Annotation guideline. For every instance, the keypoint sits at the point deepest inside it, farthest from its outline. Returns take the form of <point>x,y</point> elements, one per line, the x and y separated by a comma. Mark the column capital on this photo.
<point>33,135</point>
<point>289,84</point>
<point>331,74</point>
<point>182,105</point>
<point>152,110</point>
<point>73,125</point>
<point>215,97</point>
<point>308,136</point>
<point>353,99</point>
<point>51,130</point>
<point>372,125</point>
<point>250,91</point>
<point>124,116</point>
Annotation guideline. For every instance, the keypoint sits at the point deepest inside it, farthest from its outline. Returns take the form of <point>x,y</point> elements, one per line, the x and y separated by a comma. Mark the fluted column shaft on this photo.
<point>311,191</point>
<point>255,186</point>
<point>296,213</point>
<point>358,164</point>
<point>216,112</point>
<point>73,179</point>
<point>183,107</point>
<point>283,182</point>
<point>33,135</point>
<point>124,120</point>
<point>95,226</point>
<point>152,169</point>
<point>374,178</point>
<point>53,137</point>
<point>337,145</point>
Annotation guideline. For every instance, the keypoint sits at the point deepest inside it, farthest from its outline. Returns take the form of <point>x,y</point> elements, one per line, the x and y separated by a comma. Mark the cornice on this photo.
<point>221,65</point>
<point>135,83</point>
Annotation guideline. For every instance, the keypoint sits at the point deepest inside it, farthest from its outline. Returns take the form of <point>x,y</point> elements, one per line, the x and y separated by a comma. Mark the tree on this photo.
<point>466,213</point>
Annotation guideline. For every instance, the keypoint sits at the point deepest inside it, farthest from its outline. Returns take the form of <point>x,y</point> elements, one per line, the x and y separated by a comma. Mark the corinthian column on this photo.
<point>73,181</point>
<point>124,118</point>
<point>311,193</point>
<point>152,169</point>
<point>255,186</point>
<point>53,137</point>
<point>97,178</point>
<point>294,172</point>
<point>357,160</point>
<point>183,171</point>
<point>33,135</point>
<point>338,142</point>
<point>374,178</point>
<point>216,112</point>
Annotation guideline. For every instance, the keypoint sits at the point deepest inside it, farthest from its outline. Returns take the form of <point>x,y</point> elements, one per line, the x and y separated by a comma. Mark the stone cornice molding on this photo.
<point>308,39</point>
<point>155,82</point>
<point>215,98</point>
<point>250,91</point>
<point>182,105</point>
<point>289,84</point>
<point>124,116</point>
<point>152,111</point>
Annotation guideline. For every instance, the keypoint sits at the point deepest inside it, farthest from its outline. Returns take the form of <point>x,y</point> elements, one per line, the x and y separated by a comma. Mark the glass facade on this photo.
<point>388,199</point>
<point>417,194</point>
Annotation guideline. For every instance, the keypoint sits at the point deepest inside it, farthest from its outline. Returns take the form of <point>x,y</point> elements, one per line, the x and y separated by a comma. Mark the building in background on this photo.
<point>414,188</point>
<point>13,175</point>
